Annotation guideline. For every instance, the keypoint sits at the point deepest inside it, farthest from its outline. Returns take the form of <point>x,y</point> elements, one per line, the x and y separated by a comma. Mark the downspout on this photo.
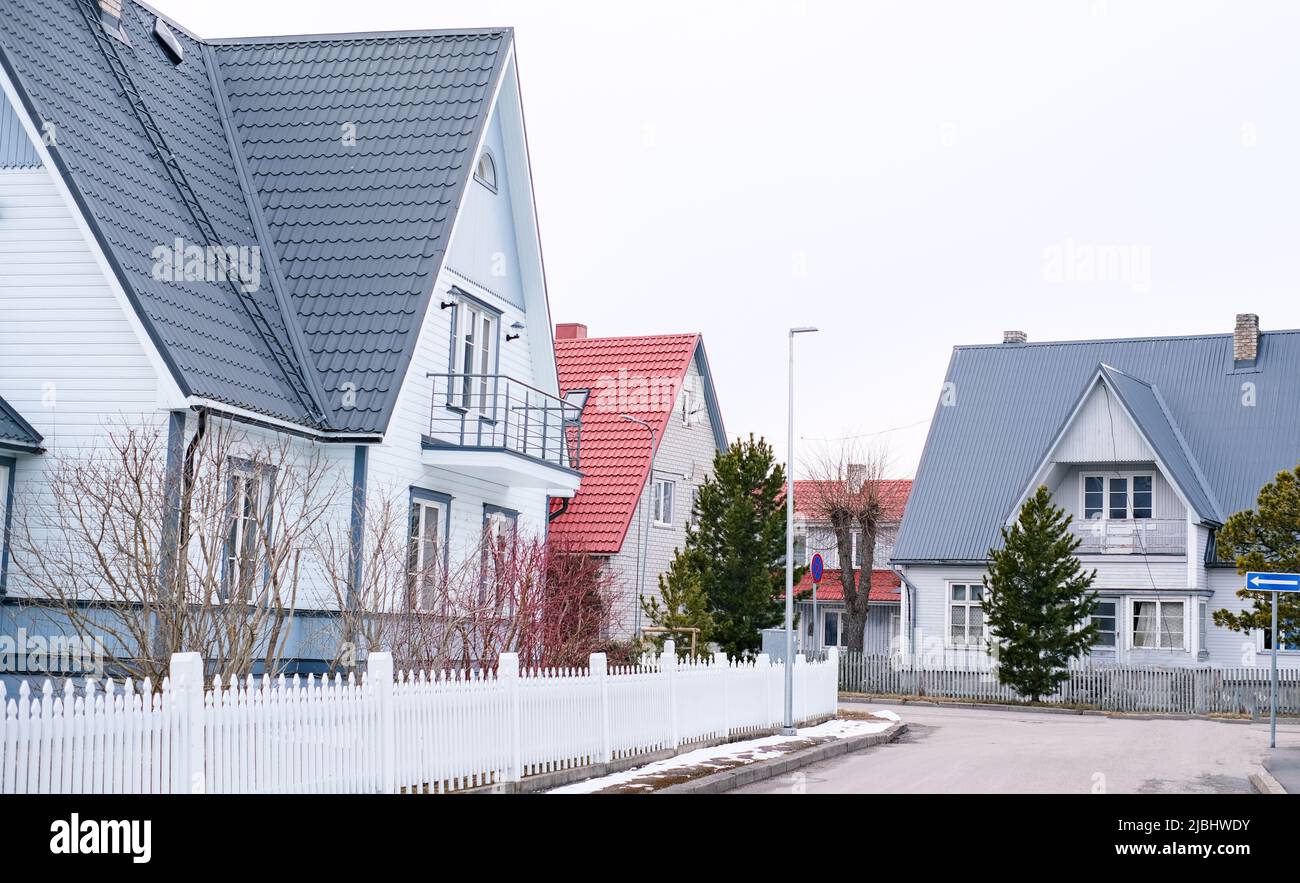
<point>356,540</point>
<point>564,507</point>
<point>911,609</point>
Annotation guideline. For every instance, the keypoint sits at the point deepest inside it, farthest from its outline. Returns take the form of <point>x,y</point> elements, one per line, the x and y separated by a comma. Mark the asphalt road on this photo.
<point>977,751</point>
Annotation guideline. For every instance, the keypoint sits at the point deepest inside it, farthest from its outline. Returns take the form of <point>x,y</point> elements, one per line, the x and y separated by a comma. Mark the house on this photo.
<point>1150,444</point>
<point>813,535</point>
<point>650,430</point>
<point>328,241</point>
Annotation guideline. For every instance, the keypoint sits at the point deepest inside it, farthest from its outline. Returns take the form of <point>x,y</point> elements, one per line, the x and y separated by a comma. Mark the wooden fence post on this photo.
<point>833,660</point>
<point>508,674</point>
<point>668,665</point>
<point>379,671</point>
<point>720,661</point>
<point>186,673</point>
<point>599,665</point>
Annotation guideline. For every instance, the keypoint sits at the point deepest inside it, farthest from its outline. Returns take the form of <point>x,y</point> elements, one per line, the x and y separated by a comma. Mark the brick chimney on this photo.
<point>1245,339</point>
<point>570,331</point>
<point>1015,337</point>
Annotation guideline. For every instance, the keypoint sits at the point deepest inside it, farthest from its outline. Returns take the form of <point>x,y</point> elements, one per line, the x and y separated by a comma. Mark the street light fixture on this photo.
<point>788,725</point>
<point>643,535</point>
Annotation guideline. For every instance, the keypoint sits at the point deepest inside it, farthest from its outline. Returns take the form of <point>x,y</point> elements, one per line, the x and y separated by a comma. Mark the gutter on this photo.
<point>911,607</point>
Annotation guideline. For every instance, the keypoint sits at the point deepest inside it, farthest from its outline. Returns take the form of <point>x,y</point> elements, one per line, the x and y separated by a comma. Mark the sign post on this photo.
<point>1277,583</point>
<point>817,569</point>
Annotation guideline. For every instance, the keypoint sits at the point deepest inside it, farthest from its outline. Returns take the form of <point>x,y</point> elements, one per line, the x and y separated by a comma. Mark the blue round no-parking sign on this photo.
<point>817,568</point>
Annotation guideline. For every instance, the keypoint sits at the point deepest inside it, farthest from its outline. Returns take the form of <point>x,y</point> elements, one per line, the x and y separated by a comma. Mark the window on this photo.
<point>1105,620</point>
<point>499,528</point>
<point>429,528</point>
<point>1118,498</point>
<point>802,554</point>
<point>856,554</point>
<point>244,508</point>
<point>474,356</point>
<point>485,172</point>
<point>1158,625</point>
<point>662,501</point>
<point>966,614</point>
<point>833,629</point>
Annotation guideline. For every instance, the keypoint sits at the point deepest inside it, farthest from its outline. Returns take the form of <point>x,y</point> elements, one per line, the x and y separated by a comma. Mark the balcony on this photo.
<point>1133,536</point>
<point>499,428</point>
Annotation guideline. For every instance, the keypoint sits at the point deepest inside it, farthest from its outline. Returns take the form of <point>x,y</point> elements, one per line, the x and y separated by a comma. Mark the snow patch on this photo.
<point>738,753</point>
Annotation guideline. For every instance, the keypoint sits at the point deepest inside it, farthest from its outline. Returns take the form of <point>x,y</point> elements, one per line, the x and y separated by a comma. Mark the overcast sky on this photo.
<point>907,176</point>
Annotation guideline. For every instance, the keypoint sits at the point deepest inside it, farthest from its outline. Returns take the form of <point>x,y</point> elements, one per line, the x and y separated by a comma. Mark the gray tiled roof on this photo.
<point>1010,402</point>
<point>15,432</point>
<point>351,237</point>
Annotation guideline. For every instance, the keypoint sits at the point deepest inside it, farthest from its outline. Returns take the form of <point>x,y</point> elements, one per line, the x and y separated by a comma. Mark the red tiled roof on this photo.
<point>625,375</point>
<point>893,492</point>
<point>885,586</point>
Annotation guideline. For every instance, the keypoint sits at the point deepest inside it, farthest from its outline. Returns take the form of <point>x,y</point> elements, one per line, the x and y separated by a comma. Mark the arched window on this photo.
<point>486,171</point>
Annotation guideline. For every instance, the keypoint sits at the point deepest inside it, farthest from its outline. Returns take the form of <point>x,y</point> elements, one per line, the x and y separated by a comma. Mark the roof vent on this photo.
<point>1015,337</point>
<point>1245,339</point>
<point>571,331</point>
<point>168,41</point>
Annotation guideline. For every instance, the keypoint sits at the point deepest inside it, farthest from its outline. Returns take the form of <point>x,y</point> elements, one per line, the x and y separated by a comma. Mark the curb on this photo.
<point>876,699</point>
<point>1264,783</point>
<point>727,780</point>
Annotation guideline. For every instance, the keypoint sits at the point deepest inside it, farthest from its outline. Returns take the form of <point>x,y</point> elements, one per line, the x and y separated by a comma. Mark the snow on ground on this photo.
<point>729,755</point>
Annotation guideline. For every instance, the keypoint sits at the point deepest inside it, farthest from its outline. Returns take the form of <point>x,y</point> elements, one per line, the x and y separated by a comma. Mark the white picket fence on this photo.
<point>412,733</point>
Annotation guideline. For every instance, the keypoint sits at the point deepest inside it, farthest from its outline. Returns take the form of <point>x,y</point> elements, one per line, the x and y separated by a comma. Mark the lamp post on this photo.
<point>643,535</point>
<point>788,728</point>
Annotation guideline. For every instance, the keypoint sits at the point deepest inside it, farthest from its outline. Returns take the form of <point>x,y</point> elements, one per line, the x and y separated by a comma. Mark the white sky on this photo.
<point>896,173</point>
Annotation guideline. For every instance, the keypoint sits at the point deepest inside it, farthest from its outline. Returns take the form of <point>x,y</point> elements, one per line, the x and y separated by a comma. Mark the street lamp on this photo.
<point>788,728</point>
<point>643,535</point>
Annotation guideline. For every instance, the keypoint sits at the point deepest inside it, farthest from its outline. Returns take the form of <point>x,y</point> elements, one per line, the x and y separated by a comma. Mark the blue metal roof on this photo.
<point>1220,440</point>
<point>15,432</point>
<point>351,233</point>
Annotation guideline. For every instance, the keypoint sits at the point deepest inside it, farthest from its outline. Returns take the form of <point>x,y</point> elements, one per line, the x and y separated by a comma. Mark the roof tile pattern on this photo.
<point>637,376</point>
<point>358,230</point>
<point>893,496</point>
<point>359,150</point>
<point>200,323</point>
<point>885,586</point>
<point>15,432</point>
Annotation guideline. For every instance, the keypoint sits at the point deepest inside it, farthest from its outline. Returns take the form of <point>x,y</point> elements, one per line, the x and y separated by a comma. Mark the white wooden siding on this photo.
<point>1102,432</point>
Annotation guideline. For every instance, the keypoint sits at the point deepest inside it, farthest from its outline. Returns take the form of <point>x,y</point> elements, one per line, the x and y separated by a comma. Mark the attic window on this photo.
<point>486,171</point>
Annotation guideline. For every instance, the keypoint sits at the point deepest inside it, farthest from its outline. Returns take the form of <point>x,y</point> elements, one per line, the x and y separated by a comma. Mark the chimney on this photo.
<point>570,331</point>
<point>1015,337</point>
<point>1245,339</point>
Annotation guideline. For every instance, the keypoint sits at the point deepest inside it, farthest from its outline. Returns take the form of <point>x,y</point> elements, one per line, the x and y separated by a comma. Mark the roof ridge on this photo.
<point>355,36</point>
<point>1086,342</point>
<point>677,335</point>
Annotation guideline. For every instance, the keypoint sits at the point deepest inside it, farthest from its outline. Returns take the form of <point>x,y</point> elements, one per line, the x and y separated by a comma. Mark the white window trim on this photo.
<point>484,351</point>
<point>1116,630</point>
<point>655,500</point>
<point>492,164</point>
<point>1105,492</point>
<point>839,630</point>
<point>948,603</point>
<point>1130,626</point>
<point>444,537</point>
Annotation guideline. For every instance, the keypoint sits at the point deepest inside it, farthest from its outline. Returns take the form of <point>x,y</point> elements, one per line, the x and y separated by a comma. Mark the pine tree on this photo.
<point>1037,601</point>
<point>739,548</point>
<point>683,606</point>
<point>1265,539</point>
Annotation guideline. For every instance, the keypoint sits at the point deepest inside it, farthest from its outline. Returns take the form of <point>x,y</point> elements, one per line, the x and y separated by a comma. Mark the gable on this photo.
<point>1102,431</point>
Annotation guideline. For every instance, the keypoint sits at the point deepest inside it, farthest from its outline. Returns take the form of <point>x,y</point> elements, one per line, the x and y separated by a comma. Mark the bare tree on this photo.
<point>850,491</point>
<point>111,546</point>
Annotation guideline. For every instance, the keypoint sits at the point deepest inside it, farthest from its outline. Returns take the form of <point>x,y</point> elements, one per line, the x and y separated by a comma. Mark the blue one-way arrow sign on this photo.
<point>1273,582</point>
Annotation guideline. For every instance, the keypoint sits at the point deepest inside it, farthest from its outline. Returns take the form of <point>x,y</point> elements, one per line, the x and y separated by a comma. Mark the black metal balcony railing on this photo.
<point>1131,536</point>
<point>498,412</point>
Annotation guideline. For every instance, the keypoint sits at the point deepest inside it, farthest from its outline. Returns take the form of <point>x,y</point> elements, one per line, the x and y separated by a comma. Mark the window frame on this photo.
<point>1130,494</point>
<point>1131,627</point>
<point>420,500</point>
<point>460,392</point>
<point>241,471</point>
<point>1114,617</point>
<point>656,501</point>
<point>8,482</point>
<point>966,604</point>
<point>826,614</point>
<point>486,156</point>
